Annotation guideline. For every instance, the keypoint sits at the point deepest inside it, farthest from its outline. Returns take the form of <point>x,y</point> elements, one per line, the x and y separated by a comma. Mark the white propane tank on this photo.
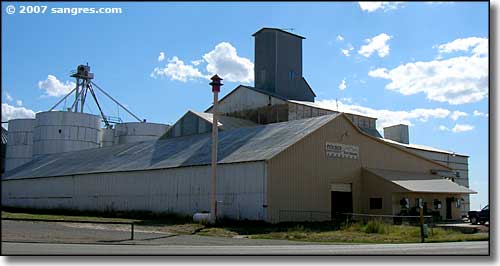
<point>201,217</point>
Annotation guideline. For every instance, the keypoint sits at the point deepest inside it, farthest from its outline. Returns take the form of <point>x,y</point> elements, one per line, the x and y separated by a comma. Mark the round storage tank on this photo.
<point>19,148</point>
<point>137,131</point>
<point>107,137</point>
<point>64,131</point>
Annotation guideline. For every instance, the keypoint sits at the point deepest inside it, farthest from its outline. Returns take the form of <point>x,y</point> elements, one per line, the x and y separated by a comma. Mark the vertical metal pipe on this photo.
<point>213,200</point>
<point>131,231</point>
<point>77,94</point>
<point>422,236</point>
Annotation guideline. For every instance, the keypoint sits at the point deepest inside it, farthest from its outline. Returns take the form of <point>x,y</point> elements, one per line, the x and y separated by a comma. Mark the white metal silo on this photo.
<point>19,143</point>
<point>64,131</point>
<point>107,137</point>
<point>138,131</point>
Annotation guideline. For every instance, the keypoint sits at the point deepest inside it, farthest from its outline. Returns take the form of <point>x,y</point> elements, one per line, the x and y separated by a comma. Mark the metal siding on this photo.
<point>242,99</point>
<point>138,131</point>
<point>53,132</point>
<point>181,190</point>
<point>299,177</point>
<point>457,163</point>
<point>19,148</point>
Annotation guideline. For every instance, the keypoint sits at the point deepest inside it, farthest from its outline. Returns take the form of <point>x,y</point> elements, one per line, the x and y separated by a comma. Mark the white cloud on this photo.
<point>478,46</point>
<point>8,97</point>
<point>19,102</point>
<point>177,70</point>
<point>457,114</point>
<point>462,128</point>
<point>443,128</point>
<point>376,44</point>
<point>225,62</point>
<point>161,57</point>
<point>455,80</point>
<point>11,112</point>
<point>373,6</point>
<point>347,51</point>
<point>387,117</point>
<point>340,38</point>
<point>478,113</point>
<point>197,62</point>
<point>55,88</point>
<point>342,85</point>
<point>379,73</point>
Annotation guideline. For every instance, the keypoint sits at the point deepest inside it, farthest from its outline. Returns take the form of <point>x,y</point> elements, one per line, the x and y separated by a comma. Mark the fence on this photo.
<point>340,220</point>
<point>46,231</point>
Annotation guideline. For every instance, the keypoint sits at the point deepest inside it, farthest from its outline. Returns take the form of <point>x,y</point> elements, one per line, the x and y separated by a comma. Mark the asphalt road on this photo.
<point>454,248</point>
<point>86,239</point>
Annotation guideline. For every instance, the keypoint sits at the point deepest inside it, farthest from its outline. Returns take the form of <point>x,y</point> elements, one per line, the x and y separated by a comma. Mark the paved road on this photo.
<point>462,248</point>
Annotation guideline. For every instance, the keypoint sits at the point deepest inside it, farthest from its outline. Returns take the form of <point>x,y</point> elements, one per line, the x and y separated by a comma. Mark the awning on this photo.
<point>421,182</point>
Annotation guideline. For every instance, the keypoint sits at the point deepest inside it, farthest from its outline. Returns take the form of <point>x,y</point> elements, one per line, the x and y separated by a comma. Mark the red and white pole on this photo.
<point>216,84</point>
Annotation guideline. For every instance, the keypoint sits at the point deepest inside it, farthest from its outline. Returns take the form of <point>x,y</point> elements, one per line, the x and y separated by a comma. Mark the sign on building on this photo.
<point>337,150</point>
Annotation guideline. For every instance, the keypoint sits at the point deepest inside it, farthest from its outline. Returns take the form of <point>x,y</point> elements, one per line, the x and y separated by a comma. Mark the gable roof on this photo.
<point>238,145</point>
<point>250,88</point>
<point>398,147</point>
<point>225,122</point>
<point>280,30</point>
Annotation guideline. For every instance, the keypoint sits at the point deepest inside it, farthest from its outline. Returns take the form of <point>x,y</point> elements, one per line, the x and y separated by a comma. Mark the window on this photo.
<point>375,203</point>
<point>291,75</point>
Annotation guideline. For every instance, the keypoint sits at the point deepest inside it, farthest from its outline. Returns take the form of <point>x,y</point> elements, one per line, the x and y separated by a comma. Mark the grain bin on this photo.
<point>107,137</point>
<point>138,131</point>
<point>64,131</point>
<point>19,143</point>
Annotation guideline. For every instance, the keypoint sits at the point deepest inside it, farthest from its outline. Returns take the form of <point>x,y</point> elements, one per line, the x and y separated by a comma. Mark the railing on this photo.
<point>76,221</point>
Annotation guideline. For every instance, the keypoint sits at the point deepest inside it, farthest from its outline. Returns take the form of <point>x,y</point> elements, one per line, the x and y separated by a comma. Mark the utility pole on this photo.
<point>216,84</point>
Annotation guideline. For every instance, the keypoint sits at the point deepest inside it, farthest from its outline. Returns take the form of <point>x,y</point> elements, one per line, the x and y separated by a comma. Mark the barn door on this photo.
<point>341,199</point>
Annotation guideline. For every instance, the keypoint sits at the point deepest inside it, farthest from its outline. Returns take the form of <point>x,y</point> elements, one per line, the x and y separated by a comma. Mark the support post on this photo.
<point>213,200</point>
<point>216,84</point>
<point>132,231</point>
<point>422,235</point>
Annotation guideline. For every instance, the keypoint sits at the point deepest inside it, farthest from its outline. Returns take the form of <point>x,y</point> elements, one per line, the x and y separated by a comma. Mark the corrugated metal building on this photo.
<point>270,172</point>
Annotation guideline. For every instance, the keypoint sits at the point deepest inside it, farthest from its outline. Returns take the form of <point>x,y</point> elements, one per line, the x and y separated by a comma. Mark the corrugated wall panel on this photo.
<point>180,190</point>
<point>299,178</point>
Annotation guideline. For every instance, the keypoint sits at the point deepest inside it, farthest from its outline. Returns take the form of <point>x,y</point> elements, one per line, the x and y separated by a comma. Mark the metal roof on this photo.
<point>280,30</point>
<point>371,131</point>
<point>422,147</point>
<point>421,182</point>
<point>237,145</point>
<point>226,122</point>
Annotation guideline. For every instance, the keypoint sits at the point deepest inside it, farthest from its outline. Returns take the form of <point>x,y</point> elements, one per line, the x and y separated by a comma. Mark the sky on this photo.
<point>424,64</point>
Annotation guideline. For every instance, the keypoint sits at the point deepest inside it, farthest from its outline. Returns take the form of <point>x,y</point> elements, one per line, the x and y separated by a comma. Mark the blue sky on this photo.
<point>424,64</point>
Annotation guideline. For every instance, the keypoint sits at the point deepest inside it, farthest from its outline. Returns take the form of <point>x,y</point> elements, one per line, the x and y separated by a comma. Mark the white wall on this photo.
<point>245,99</point>
<point>240,186</point>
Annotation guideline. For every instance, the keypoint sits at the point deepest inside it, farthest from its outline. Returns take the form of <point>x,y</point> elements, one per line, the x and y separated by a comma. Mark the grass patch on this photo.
<point>140,217</point>
<point>374,232</point>
<point>371,232</point>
